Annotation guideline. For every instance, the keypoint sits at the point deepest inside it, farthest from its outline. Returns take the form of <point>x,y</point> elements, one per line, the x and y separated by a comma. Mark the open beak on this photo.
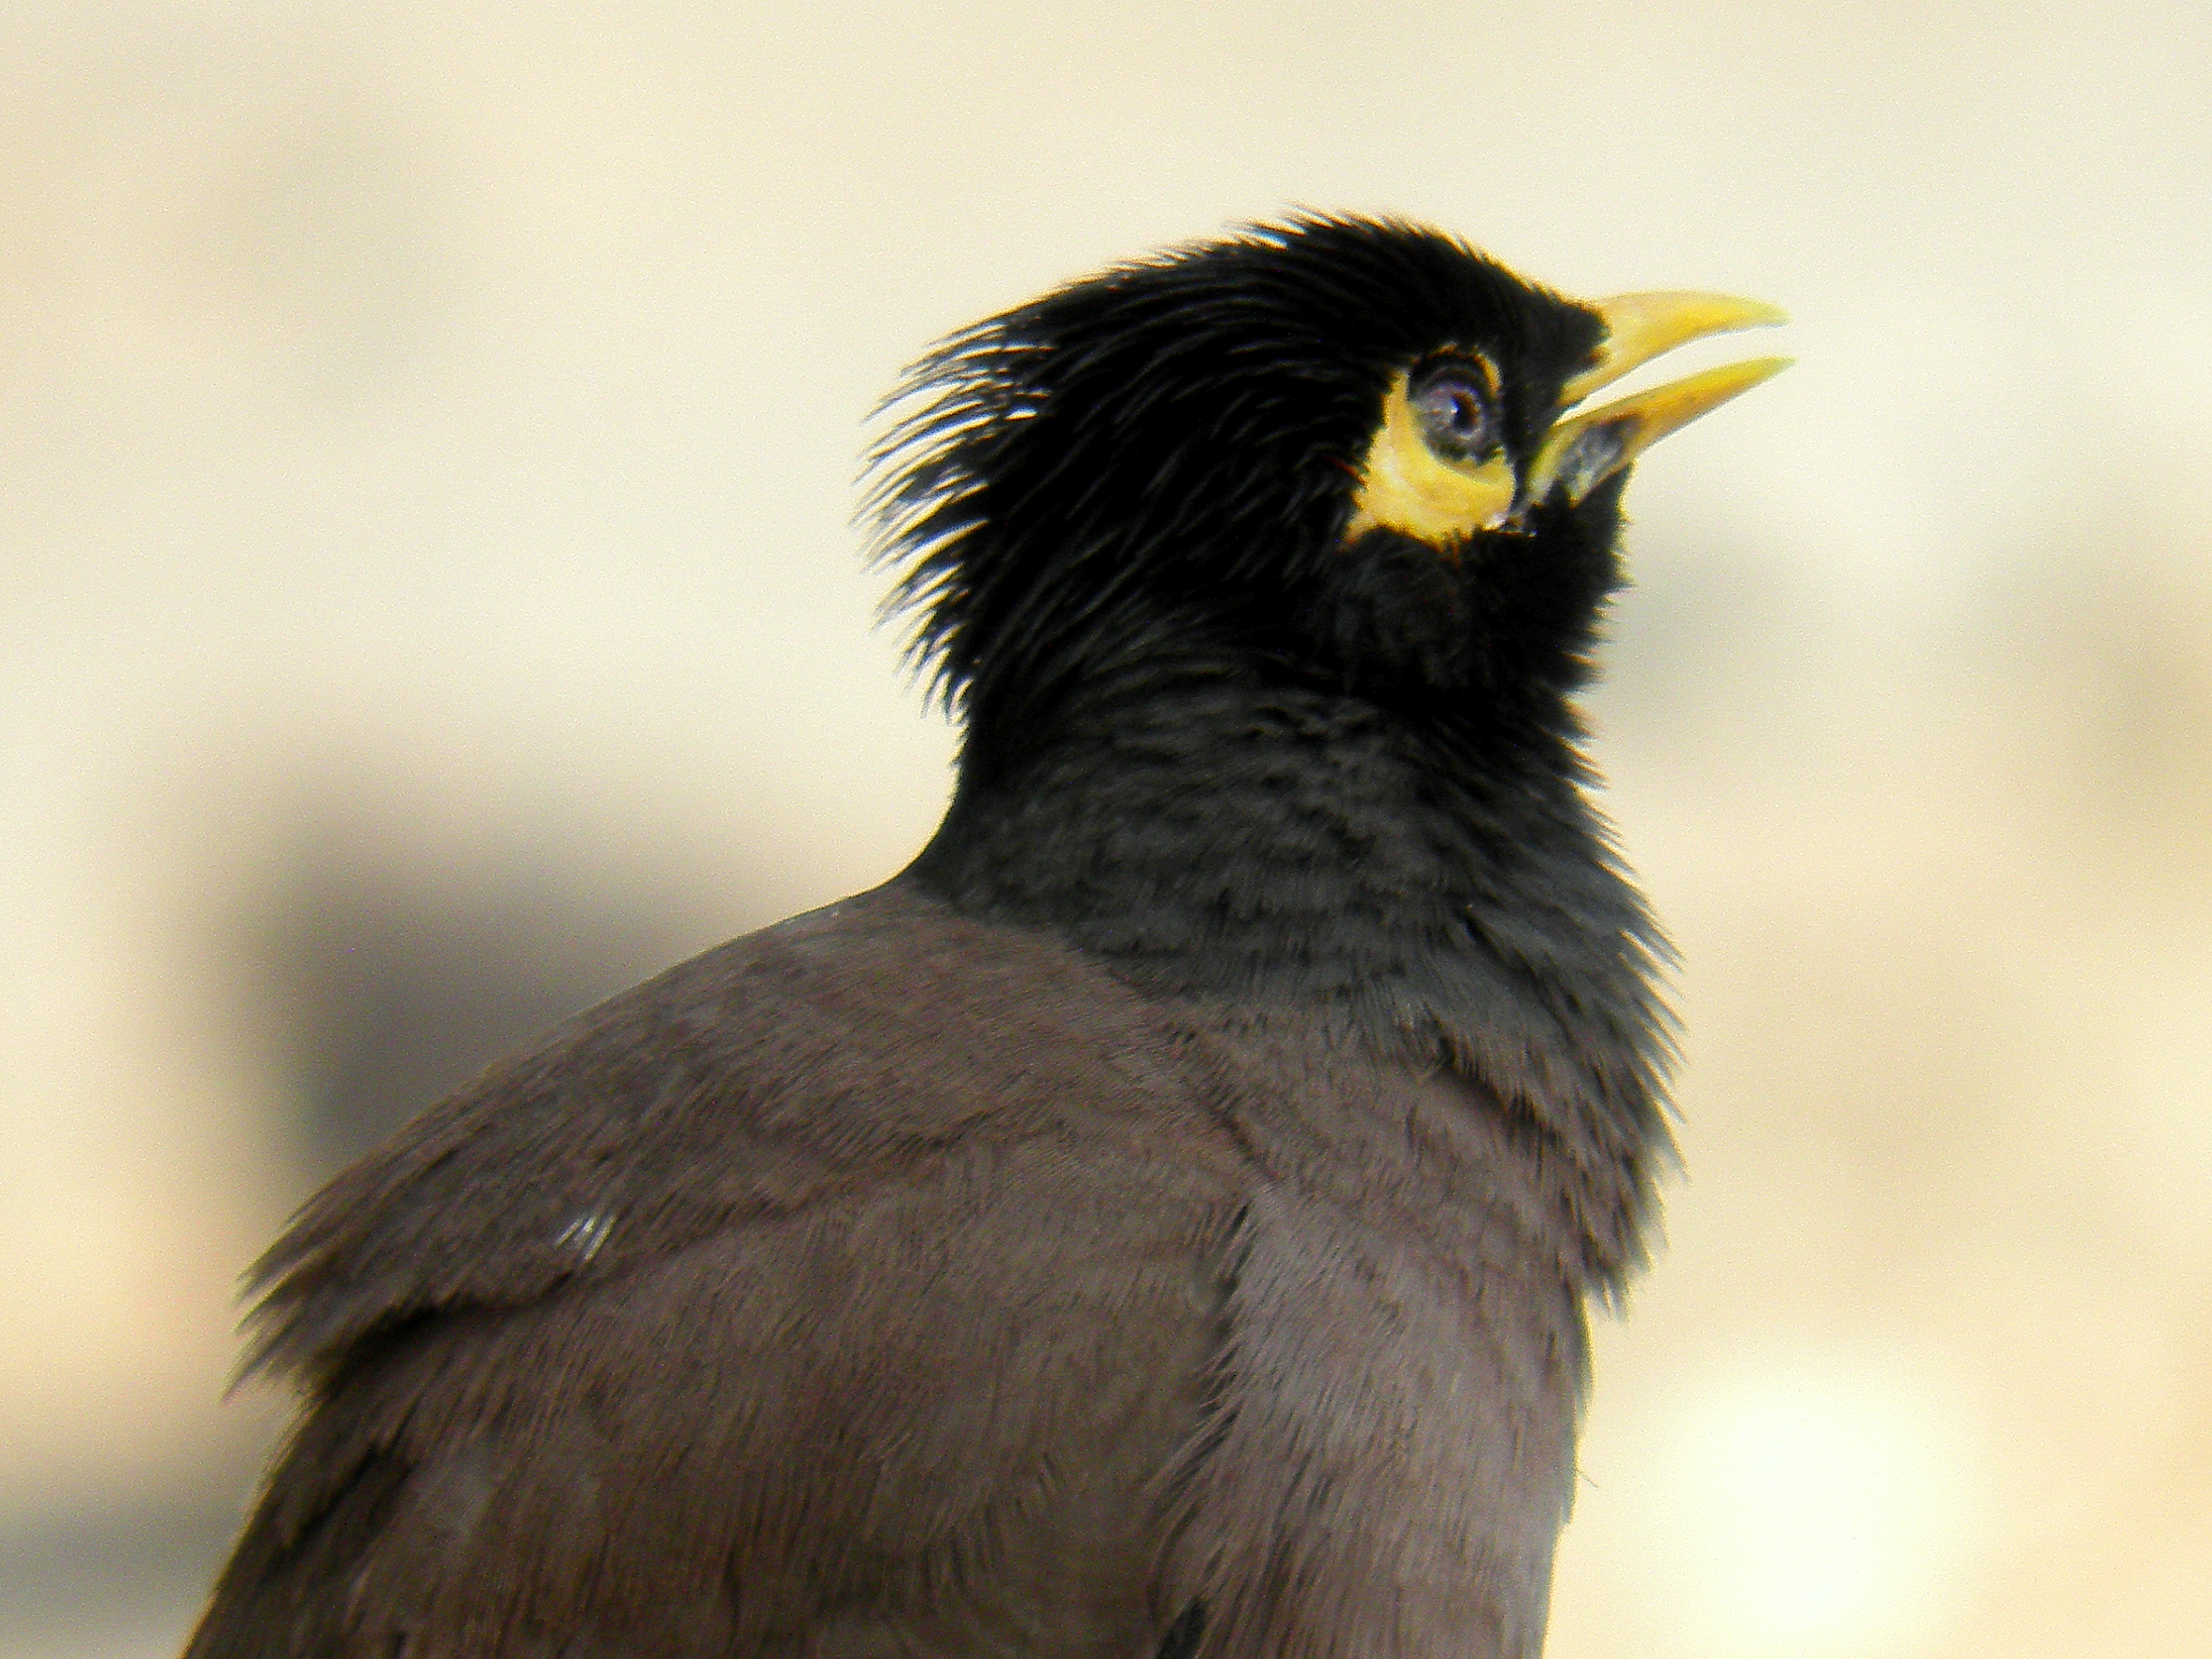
<point>1584,449</point>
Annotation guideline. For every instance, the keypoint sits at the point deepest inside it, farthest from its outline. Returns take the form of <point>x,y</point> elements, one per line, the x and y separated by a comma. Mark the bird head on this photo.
<point>1355,453</point>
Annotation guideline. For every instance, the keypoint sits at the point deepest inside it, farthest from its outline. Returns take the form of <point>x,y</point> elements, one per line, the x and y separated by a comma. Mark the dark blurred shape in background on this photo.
<point>392,985</point>
<point>379,977</point>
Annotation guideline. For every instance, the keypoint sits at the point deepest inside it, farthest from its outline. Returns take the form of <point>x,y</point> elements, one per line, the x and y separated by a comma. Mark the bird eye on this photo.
<point>1454,411</point>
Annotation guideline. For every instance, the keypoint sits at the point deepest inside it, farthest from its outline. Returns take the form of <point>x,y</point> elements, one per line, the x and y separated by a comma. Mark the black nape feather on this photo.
<point>1156,462</point>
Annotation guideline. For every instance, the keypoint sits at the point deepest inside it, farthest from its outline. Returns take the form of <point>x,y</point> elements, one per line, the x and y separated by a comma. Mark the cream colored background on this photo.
<point>426,443</point>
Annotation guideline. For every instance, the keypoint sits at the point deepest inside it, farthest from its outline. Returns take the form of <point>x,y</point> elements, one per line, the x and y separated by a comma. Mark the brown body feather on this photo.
<point>890,1283</point>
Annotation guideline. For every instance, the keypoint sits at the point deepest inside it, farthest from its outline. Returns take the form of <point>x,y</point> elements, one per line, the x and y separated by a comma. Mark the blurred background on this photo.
<point>428,604</point>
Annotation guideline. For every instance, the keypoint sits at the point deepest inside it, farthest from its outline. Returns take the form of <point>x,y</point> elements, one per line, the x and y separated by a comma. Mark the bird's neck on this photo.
<point>1447,894</point>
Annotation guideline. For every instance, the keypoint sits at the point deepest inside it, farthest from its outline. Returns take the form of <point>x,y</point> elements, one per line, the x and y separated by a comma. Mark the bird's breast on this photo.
<point>1404,1350</point>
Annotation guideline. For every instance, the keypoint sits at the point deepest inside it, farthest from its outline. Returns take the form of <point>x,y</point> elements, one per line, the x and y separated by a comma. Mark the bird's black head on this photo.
<point>1330,450</point>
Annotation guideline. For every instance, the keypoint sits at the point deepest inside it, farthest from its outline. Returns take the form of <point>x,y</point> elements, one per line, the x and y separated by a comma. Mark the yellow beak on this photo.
<point>1584,450</point>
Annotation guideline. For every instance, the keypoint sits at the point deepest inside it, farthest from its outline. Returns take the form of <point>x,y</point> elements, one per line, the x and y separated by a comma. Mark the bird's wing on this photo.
<point>859,1276</point>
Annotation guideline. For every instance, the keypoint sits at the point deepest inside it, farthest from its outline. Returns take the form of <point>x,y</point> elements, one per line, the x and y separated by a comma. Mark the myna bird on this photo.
<point>1158,1223</point>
